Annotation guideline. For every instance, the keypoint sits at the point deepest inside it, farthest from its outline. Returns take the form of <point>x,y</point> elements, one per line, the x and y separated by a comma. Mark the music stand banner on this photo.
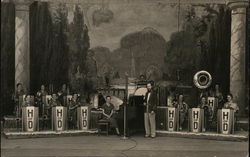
<point>225,121</point>
<point>83,117</point>
<point>196,120</point>
<point>213,103</point>
<point>30,121</point>
<point>59,118</point>
<point>172,119</point>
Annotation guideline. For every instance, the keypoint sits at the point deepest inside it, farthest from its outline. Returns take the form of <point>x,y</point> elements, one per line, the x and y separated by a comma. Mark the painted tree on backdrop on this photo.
<point>183,51</point>
<point>78,40</point>
<point>204,43</point>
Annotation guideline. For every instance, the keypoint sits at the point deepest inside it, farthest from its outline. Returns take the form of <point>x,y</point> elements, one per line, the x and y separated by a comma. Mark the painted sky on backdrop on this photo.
<point>129,17</point>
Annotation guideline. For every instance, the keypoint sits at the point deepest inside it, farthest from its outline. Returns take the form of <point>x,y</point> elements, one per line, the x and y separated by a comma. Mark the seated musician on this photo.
<point>27,101</point>
<point>183,110</point>
<point>107,111</point>
<point>171,96</point>
<point>230,104</point>
<point>207,110</point>
<point>54,101</point>
<point>73,104</point>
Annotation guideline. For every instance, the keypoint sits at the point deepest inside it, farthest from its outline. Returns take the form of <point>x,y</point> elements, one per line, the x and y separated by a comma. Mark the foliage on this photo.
<point>49,50</point>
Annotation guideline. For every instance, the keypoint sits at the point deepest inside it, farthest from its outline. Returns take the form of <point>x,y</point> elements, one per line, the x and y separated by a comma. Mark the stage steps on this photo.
<point>45,134</point>
<point>238,136</point>
<point>243,123</point>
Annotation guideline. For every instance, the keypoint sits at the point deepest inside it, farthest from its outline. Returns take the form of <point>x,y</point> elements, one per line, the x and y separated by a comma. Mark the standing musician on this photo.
<point>218,95</point>
<point>207,110</point>
<point>183,109</point>
<point>150,101</point>
<point>62,95</point>
<point>18,93</point>
<point>72,108</point>
<point>39,100</point>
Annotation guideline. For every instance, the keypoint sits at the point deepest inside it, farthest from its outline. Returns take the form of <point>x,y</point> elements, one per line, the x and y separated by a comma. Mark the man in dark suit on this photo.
<point>150,100</point>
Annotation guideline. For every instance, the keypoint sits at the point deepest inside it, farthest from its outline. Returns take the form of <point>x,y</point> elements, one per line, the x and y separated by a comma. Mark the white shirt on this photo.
<point>148,96</point>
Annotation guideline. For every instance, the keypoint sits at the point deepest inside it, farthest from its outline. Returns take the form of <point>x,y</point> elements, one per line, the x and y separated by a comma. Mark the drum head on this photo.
<point>141,91</point>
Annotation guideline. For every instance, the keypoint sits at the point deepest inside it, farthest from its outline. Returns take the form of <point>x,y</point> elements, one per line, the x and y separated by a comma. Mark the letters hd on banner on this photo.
<point>225,121</point>
<point>213,103</point>
<point>59,117</point>
<point>30,121</point>
<point>196,120</point>
<point>172,119</point>
<point>83,117</point>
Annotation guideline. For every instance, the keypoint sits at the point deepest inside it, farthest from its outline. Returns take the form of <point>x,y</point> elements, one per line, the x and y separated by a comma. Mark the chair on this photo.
<point>101,123</point>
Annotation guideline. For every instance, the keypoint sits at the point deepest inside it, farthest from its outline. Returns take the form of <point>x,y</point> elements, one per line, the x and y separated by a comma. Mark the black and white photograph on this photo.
<point>125,78</point>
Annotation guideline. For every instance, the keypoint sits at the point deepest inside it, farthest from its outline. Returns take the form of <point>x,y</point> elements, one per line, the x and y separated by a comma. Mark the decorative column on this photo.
<point>22,43</point>
<point>238,50</point>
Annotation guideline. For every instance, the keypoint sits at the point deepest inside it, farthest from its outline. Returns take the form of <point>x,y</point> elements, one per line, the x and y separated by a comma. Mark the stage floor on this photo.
<point>113,146</point>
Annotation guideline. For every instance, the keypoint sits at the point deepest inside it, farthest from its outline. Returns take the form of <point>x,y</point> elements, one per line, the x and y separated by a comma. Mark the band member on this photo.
<point>207,110</point>
<point>218,95</point>
<point>171,96</point>
<point>107,111</point>
<point>183,109</point>
<point>230,104</point>
<point>73,104</point>
<point>54,101</point>
<point>174,103</point>
<point>39,100</point>
<point>19,93</point>
<point>149,111</point>
<point>62,95</point>
<point>27,101</point>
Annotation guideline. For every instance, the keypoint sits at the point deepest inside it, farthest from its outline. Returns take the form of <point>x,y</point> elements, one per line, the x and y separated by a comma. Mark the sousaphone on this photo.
<point>202,79</point>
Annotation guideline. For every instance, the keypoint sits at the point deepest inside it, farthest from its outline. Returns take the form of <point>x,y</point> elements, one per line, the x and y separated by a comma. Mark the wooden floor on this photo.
<point>113,146</point>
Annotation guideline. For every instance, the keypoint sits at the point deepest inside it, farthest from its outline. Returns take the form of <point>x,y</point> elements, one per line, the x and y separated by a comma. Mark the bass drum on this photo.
<point>141,91</point>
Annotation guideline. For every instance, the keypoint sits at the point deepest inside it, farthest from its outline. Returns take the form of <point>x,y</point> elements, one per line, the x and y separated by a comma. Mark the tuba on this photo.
<point>202,79</point>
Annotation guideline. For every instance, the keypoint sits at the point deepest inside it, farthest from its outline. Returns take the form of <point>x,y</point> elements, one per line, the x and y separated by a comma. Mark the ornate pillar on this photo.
<point>238,50</point>
<point>22,43</point>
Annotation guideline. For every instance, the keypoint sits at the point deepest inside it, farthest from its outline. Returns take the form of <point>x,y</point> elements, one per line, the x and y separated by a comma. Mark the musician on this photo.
<point>230,104</point>
<point>183,110</point>
<point>174,103</point>
<point>171,96</point>
<point>218,95</point>
<point>54,101</point>
<point>207,110</point>
<point>73,104</point>
<point>150,100</point>
<point>39,100</point>
<point>107,111</point>
<point>19,92</point>
<point>62,95</point>
<point>27,101</point>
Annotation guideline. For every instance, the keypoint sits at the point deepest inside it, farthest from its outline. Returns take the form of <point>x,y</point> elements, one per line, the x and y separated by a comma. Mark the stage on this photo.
<point>113,146</point>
